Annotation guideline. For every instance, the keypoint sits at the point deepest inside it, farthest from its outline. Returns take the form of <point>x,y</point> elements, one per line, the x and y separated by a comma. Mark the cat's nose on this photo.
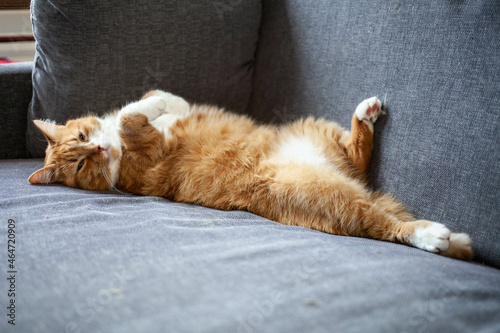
<point>100,149</point>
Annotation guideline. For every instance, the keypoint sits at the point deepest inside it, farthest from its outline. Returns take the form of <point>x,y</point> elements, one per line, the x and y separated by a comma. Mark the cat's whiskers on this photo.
<point>56,171</point>
<point>40,139</point>
<point>39,166</point>
<point>104,172</point>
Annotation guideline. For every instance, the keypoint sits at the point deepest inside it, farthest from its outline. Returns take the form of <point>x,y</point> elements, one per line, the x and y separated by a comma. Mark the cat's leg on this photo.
<point>332,203</point>
<point>459,244</point>
<point>139,136</point>
<point>175,104</point>
<point>392,206</point>
<point>380,223</point>
<point>359,143</point>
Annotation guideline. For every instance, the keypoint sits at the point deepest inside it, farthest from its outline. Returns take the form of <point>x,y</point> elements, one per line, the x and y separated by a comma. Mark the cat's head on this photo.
<point>77,156</point>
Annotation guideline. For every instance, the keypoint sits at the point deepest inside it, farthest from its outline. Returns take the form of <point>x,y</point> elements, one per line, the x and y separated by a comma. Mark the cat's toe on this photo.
<point>156,107</point>
<point>178,105</point>
<point>158,103</point>
<point>369,109</point>
<point>434,237</point>
<point>460,247</point>
<point>174,104</point>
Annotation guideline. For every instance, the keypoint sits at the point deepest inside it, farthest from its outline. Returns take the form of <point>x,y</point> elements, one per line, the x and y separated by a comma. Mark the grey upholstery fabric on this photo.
<point>436,67</point>
<point>111,262</point>
<point>15,90</point>
<point>114,262</point>
<point>94,56</point>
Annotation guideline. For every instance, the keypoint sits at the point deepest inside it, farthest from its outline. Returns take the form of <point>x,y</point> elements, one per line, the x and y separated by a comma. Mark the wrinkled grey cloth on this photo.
<point>111,262</point>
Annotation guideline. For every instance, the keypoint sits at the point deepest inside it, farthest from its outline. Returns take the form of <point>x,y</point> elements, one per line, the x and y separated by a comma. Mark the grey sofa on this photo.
<point>115,262</point>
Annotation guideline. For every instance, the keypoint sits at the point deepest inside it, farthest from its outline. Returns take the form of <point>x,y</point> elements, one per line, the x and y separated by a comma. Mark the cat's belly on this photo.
<point>299,150</point>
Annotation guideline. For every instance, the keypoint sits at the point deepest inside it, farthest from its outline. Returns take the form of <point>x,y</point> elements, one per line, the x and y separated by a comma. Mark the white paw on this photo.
<point>433,238</point>
<point>178,106</point>
<point>460,240</point>
<point>156,102</point>
<point>153,107</point>
<point>369,109</point>
<point>175,104</point>
<point>460,247</point>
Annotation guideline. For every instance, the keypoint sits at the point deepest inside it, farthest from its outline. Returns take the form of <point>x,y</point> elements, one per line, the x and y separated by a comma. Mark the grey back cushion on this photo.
<point>437,66</point>
<point>94,56</point>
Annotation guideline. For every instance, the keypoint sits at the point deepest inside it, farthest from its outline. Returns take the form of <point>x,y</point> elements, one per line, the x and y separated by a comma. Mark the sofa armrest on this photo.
<point>15,97</point>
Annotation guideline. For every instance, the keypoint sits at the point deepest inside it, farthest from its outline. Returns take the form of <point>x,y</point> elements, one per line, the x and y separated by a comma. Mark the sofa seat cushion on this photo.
<point>114,262</point>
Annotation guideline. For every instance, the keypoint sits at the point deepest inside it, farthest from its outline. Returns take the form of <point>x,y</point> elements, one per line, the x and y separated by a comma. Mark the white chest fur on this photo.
<point>109,138</point>
<point>299,150</point>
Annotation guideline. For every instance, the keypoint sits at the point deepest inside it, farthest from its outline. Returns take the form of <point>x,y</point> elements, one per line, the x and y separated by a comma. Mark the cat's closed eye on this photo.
<point>80,165</point>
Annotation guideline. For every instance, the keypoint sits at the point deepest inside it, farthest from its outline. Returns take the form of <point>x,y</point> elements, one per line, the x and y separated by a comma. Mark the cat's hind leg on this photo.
<point>359,143</point>
<point>426,238</point>
<point>316,198</point>
<point>175,104</point>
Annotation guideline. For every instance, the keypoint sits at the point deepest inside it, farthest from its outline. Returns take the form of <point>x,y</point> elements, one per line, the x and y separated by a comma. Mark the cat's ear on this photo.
<point>45,175</point>
<point>50,130</point>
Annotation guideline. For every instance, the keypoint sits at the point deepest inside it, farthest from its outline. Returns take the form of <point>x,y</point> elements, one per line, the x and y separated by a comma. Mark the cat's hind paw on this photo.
<point>154,107</point>
<point>369,109</point>
<point>175,104</point>
<point>431,236</point>
<point>435,237</point>
<point>460,247</point>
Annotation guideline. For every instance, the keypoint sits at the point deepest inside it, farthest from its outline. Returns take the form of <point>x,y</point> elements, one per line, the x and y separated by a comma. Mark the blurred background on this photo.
<point>16,35</point>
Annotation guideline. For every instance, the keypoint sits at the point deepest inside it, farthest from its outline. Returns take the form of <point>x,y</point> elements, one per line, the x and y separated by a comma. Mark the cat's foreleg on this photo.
<point>175,104</point>
<point>359,143</point>
<point>138,135</point>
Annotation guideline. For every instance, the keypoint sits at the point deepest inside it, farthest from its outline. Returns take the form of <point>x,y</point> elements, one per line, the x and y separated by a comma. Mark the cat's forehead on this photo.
<point>88,123</point>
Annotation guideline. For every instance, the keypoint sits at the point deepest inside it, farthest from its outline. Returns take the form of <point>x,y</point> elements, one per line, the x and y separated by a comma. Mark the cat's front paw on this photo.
<point>369,109</point>
<point>430,236</point>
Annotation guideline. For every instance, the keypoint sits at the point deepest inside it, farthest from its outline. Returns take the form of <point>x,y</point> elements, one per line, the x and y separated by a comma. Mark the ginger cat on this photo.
<point>309,173</point>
